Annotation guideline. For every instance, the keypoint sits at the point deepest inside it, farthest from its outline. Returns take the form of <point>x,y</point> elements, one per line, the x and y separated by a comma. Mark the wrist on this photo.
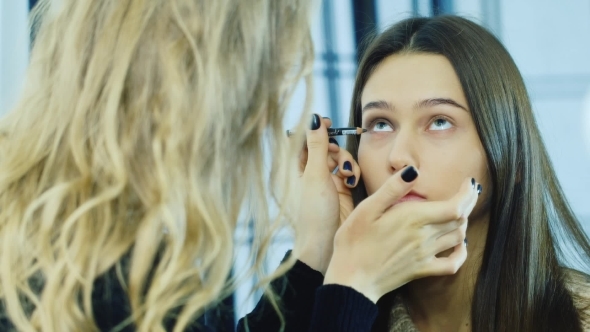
<point>316,256</point>
<point>353,281</point>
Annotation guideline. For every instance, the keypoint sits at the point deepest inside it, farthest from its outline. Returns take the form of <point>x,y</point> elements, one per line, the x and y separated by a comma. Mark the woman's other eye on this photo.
<point>381,126</point>
<point>440,124</point>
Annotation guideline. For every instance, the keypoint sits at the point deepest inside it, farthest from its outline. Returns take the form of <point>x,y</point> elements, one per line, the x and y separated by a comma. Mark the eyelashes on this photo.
<point>380,126</point>
<point>436,123</point>
<point>370,124</point>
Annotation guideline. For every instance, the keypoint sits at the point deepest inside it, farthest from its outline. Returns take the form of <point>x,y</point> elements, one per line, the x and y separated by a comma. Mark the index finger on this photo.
<point>396,187</point>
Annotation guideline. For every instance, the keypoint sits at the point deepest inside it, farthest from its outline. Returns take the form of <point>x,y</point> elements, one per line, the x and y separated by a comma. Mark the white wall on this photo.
<point>550,44</point>
<point>14,50</point>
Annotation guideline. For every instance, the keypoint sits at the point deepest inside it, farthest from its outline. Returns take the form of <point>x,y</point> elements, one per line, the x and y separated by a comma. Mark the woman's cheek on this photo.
<point>368,168</point>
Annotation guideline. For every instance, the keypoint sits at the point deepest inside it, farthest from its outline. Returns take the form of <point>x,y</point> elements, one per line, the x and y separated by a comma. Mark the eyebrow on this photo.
<point>440,101</point>
<point>383,105</point>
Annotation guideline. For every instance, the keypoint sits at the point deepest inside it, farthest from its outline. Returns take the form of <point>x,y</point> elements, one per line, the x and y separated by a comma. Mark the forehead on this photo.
<point>412,76</point>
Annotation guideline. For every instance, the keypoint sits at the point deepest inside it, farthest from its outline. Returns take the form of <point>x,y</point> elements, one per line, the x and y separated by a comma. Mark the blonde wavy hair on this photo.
<point>142,131</point>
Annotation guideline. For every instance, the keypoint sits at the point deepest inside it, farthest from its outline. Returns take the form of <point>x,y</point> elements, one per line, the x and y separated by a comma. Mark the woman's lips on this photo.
<point>410,197</point>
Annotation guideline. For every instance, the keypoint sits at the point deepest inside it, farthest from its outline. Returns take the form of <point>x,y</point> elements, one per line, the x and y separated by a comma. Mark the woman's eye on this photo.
<point>381,126</point>
<point>440,124</point>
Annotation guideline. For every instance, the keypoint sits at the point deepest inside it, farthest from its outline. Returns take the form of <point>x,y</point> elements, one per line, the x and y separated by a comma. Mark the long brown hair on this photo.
<point>143,129</point>
<point>523,284</point>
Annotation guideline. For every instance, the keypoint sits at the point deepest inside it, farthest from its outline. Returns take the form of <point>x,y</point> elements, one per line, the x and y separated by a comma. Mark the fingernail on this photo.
<point>479,189</point>
<point>347,166</point>
<point>465,242</point>
<point>326,118</point>
<point>334,141</point>
<point>409,174</point>
<point>315,123</point>
<point>351,180</point>
<point>473,182</point>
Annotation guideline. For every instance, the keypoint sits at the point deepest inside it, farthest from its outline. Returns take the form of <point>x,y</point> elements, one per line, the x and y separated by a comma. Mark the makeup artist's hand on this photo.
<point>382,246</point>
<point>326,199</point>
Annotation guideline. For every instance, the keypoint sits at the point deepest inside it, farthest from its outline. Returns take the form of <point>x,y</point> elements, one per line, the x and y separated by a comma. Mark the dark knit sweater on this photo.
<point>310,306</point>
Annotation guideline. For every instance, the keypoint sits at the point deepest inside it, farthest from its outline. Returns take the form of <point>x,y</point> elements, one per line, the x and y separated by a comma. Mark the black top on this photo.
<point>306,304</point>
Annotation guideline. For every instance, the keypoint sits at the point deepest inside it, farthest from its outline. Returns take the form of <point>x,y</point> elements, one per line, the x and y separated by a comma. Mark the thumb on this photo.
<point>396,187</point>
<point>317,146</point>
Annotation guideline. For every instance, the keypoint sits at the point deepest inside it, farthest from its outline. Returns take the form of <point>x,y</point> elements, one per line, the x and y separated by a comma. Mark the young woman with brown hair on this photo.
<point>454,81</point>
<point>443,101</point>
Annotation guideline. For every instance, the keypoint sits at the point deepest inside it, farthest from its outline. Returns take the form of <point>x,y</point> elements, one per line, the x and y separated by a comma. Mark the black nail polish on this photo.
<point>473,182</point>
<point>334,141</point>
<point>465,242</point>
<point>315,123</point>
<point>351,180</point>
<point>479,189</point>
<point>347,166</point>
<point>409,174</point>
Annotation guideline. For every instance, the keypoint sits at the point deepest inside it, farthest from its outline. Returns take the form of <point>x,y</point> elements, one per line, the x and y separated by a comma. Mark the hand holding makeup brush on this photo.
<point>326,199</point>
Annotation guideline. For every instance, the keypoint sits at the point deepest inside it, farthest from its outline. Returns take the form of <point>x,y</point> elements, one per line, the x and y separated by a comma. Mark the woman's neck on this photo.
<point>444,303</point>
